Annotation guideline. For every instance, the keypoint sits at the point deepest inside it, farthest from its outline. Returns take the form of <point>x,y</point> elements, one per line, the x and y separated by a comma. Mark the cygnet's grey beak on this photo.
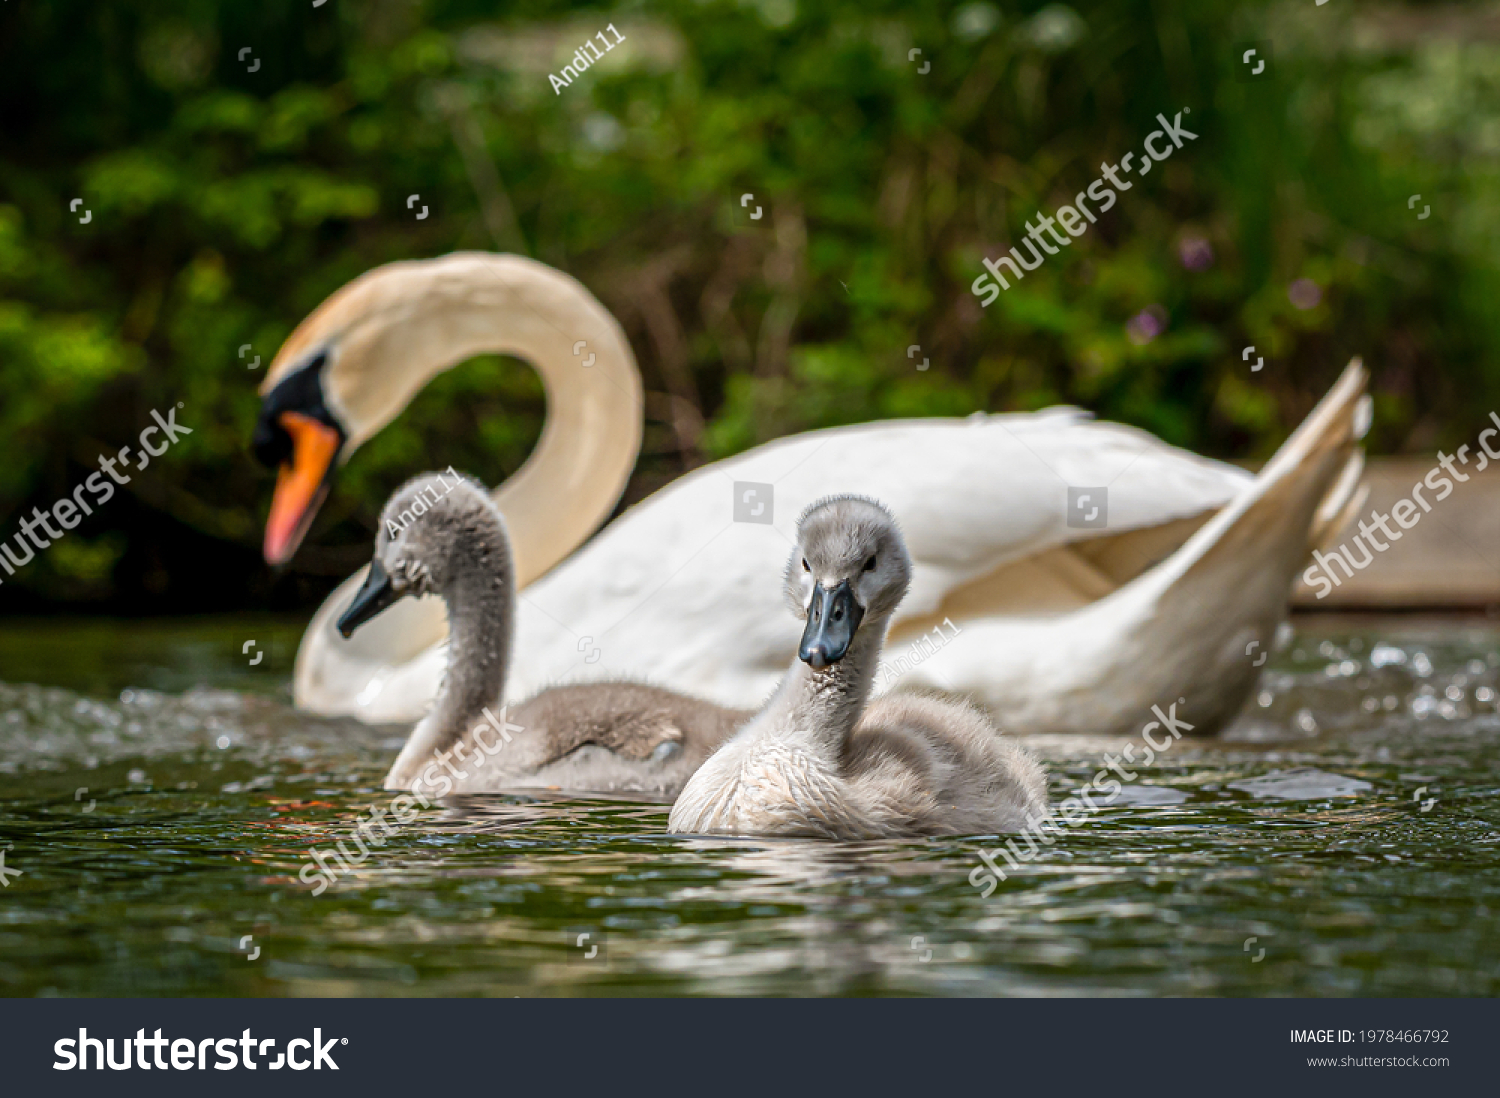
<point>832,618</point>
<point>377,593</point>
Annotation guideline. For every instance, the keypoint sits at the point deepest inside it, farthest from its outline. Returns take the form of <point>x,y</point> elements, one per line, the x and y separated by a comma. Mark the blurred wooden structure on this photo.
<point>1449,560</point>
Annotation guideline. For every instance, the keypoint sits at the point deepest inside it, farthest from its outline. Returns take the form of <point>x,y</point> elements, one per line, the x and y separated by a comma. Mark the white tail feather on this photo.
<point>1188,632</point>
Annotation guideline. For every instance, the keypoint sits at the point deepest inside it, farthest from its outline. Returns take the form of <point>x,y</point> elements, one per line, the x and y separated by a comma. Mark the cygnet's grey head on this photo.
<point>850,562</point>
<point>428,529</point>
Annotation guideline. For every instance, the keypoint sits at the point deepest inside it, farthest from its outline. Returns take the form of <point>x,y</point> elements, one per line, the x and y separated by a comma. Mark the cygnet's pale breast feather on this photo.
<point>817,761</point>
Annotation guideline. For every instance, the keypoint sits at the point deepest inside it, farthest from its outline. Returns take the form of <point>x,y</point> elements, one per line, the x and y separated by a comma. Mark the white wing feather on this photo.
<point>678,593</point>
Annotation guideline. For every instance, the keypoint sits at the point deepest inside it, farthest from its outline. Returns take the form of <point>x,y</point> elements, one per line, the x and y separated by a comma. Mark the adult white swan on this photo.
<point>1055,615</point>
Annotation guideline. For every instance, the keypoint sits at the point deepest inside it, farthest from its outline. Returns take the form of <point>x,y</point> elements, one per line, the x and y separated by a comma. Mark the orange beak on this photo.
<point>301,484</point>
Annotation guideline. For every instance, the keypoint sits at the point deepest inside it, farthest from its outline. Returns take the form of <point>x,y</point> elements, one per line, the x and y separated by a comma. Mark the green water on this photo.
<point>159,794</point>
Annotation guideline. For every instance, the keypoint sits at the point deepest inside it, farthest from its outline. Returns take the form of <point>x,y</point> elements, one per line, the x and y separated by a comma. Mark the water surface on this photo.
<point>159,795</point>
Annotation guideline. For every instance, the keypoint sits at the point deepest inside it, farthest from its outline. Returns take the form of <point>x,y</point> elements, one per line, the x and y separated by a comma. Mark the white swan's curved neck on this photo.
<point>433,314</point>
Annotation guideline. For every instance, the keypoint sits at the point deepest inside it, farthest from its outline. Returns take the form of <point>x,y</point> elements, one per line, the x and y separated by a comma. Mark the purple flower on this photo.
<point>1146,325</point>
<point>1195,252</point>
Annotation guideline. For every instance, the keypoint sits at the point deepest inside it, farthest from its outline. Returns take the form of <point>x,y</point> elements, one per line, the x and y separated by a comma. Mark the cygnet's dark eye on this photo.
<point>870,565</point>
<point>805,567</point>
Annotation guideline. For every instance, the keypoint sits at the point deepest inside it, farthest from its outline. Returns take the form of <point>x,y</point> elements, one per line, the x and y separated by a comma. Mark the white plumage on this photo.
<point>1059,627</point>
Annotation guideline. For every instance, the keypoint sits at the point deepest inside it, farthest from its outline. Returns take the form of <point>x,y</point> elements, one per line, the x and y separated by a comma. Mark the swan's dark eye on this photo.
<point>870,565</point>
<point>805,568</point>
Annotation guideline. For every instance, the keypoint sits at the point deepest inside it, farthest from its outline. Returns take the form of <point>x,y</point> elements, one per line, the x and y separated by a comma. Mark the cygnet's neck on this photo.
<point>818,708</point>
<point>480,602</point>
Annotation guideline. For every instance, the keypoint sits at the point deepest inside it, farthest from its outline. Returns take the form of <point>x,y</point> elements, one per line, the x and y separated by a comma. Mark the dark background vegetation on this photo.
<point>226,204</point>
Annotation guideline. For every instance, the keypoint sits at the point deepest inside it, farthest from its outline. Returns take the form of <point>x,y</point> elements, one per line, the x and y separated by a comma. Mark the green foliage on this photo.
<point>225,204</point>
